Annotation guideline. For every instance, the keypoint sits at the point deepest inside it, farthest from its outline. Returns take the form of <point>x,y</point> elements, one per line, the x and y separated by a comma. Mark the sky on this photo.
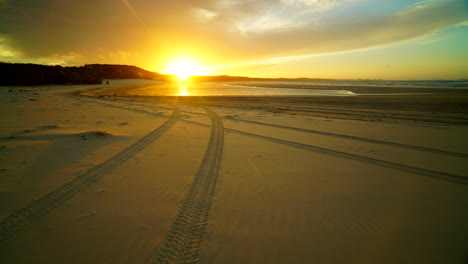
<point>342,39</point>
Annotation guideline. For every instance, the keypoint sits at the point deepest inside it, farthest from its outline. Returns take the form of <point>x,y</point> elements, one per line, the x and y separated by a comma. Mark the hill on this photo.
<point>35,74</point>
<point>16,74</point>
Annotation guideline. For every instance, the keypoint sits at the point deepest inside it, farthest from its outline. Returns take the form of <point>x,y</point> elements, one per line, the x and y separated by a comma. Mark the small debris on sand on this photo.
<point>49,126</point>
<point>102,133</point>
<point>85,215</point>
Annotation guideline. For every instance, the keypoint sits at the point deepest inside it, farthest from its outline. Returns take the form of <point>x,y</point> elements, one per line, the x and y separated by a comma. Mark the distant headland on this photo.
<point>35,74</point>
<point>18,74</point>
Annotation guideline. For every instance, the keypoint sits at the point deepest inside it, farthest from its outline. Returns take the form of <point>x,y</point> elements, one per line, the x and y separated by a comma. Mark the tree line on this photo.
<point>35,74</point>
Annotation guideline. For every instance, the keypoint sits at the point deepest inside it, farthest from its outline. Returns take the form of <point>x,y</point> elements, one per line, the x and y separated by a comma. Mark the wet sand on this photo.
<point>401,105</point>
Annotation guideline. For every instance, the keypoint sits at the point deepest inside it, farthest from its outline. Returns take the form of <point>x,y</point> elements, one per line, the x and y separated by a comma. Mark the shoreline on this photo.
<point>445,107</point>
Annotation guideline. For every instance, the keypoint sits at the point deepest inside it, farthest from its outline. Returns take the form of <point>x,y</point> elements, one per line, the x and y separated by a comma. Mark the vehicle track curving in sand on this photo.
<point>355,138</point>
<point>369,115</point>
<point>421,171</point>
<point>369,140</point>
<point>183,241</point>
<point>388,164</point>
<point>120,105</point>
<point>22,217</point>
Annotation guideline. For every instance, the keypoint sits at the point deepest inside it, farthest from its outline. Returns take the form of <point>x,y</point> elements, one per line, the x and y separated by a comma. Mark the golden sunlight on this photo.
<point>183,90</point>
<point>184,68</point>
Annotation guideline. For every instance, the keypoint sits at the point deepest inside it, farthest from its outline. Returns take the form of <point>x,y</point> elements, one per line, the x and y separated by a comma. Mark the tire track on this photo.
<point>370,112</point>
<point>381,142</point>
<point>368,140</point>
<point>127,108</point>
<point>421,171</point>
<point>184,239</point>
<point>365,115</point>
<point>387,164</point>
<point>21,218</point>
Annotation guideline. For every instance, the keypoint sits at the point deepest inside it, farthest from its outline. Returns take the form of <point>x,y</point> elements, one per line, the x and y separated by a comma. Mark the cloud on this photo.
<point>120,54</point>
<point>245,66</point>
<point>335,34</point>
<point>204,15</point>
<point>284,14</point>
<point>132,10</point>
<point>227,31</point>
<point>70,58</point>
<point>7,53</point>
<point>313,4</point>
<point>462,24</point>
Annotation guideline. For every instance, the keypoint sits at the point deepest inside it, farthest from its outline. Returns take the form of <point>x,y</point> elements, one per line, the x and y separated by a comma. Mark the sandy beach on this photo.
<point>94,174</point>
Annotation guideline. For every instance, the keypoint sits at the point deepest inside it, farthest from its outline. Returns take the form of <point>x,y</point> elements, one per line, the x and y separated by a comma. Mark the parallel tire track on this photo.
<point>388,164</point>
<point>376,113</point>
<point>369,140</point>
<point>127,108</point>
<point>21,218</point>
<point>362,115</point>
<point>421,171</point>
<point>184,239</point>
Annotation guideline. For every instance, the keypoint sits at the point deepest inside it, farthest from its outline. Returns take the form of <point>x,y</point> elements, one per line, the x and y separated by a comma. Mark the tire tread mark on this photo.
<point>126,106</point>
<point>421,171</point>
<point>386,113</point>
<point>183,241</point>
<point>388,164</point>
<point>41,206</point>
<point>435,119</point>
<point>381,142</point>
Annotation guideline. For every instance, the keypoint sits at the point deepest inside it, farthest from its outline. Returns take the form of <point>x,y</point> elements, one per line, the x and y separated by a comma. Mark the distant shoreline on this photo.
<point>27,74</point>
<point>441,107</point>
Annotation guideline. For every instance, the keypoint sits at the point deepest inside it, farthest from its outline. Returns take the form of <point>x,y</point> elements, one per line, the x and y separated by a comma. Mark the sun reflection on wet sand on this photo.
<point>229,89</point>
<point>183,90</point>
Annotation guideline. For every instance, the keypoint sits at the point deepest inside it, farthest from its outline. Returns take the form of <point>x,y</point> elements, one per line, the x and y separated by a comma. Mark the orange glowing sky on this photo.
<point>398,39</point>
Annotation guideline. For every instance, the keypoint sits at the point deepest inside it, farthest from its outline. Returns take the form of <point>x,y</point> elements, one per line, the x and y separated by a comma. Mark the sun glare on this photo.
<point>184,68</point>
<point>183,90</point>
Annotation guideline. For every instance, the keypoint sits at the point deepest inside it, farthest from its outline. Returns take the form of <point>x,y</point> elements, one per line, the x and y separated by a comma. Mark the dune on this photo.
<point>92,175</point>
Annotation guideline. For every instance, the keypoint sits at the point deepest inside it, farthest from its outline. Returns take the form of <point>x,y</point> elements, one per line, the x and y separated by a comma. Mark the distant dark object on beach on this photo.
<point>34,74</point>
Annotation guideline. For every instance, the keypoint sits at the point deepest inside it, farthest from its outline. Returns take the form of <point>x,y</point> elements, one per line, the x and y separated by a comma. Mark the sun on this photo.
<point>184,68</point>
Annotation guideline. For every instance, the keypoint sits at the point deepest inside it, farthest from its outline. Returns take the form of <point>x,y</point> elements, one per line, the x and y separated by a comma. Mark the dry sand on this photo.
<point>366,179</point>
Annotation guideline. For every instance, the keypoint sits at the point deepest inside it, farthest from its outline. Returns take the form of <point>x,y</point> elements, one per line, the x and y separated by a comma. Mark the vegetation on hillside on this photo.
<point>34,74</point>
